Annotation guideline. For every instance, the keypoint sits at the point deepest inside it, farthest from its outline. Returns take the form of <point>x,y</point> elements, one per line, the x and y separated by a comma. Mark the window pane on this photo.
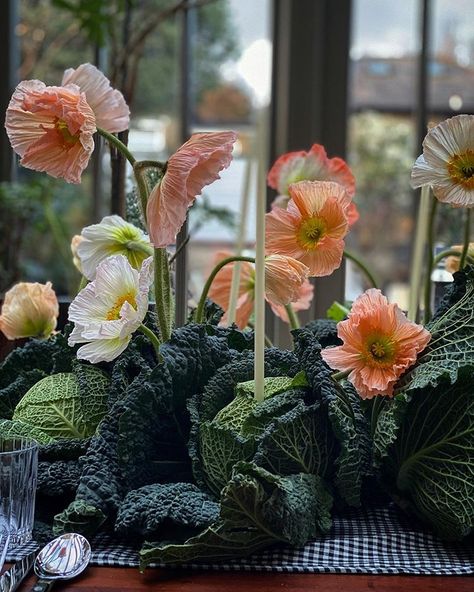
<point>230,99</point>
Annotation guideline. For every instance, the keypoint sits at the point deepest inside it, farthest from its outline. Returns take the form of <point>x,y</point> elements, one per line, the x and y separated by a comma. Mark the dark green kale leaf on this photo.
<point>59,478</point>
<point>325,331</point>
<point>258,509</point>
<point>345,414</point>
<point>166,510</point>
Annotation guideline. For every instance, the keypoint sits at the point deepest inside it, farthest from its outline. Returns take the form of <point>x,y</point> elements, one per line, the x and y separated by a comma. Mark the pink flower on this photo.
<point>285,280</point>
<point>312,229</point>
<point>29,310</point>
<point>193,166</point>
<point>379,345</point>
<point>110,109</point>
<point>51,128</point>
<point>313,165</point>
<point>303,301</point>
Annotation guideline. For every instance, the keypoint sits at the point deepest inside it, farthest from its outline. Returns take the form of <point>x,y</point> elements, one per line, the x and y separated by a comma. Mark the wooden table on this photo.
<point>128,579</point>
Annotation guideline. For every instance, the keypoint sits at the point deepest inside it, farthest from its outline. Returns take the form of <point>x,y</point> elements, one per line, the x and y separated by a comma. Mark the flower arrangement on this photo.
<point>183,443</point>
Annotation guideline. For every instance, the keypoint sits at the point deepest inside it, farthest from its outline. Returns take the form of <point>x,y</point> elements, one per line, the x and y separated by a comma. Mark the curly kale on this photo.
<point>59,478</point>
<point>167,510</point>
<point>324,330</point>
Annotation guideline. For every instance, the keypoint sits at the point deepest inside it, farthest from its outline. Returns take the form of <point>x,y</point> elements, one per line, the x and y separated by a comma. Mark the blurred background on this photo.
<point>362,77</point>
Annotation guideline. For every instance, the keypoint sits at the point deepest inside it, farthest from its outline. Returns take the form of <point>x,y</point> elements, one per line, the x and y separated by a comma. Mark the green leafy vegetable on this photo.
<point>258,509</point>
<point>59,407</point>
<point>9,428</point>
<point>452,343</point>
<point>166,509</point>
<point>427,441</point>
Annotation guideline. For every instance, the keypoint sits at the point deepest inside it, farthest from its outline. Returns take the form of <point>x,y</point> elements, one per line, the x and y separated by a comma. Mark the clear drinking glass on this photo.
<point>18,470</point>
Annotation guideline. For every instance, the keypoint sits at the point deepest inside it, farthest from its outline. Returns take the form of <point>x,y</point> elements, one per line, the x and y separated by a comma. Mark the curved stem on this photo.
<point>340,375</point>
<point>429,260</point>
<point>150,164</point>
<point>467,230</point>
<point>449,253</point>
<point>362,268</point>
<point>199,314</point>
<point>143,190</point>
<point>154,341</point>
<point>118,144</point>
<point>292,317</point>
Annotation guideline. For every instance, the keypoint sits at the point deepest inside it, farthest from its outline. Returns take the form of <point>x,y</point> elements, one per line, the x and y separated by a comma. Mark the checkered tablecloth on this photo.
<point>379,541</point>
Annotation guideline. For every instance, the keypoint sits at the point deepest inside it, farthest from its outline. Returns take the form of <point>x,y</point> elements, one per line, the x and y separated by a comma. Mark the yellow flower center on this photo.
<point>68,138</point>
<point>310,232</point>
<point>114,312</point>
<point>461,169</point>
<point>380,351</point>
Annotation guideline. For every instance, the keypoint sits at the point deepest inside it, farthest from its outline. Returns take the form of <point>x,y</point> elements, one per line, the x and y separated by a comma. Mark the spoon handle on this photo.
<point>42,586</point>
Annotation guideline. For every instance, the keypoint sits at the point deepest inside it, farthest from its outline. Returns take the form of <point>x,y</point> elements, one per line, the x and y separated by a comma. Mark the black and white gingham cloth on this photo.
<point>378,541</point>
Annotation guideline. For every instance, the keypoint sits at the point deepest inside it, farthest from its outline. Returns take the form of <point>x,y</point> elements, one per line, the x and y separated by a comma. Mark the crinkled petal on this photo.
<point>193,166</point>
<point>110,109</point>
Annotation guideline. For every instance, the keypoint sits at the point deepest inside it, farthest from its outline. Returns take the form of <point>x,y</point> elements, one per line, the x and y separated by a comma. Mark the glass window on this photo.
<point>230,99</point>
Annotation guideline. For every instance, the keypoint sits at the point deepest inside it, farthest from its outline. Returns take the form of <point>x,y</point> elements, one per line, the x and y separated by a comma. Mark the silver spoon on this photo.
<point>62,559</point>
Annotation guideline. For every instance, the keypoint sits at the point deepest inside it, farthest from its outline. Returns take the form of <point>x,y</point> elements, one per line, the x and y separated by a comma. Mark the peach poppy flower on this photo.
<point>51,128</point>
<point>193,166</point>
<point>313,165</point>
<point>75,242</point>
<point>312,229</point>
<point>284,278</point>
<point>379,345</point>
<point>29,310</point>
<point>108,104</point>
<point>303,301</point>
<point>447,162</point>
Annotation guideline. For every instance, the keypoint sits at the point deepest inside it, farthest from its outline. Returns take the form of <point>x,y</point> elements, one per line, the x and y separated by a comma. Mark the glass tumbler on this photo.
<point>18,471</point>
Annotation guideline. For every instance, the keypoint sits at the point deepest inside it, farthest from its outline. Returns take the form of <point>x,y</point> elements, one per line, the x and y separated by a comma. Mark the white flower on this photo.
<point>447,162</point>
<point>112,236</point>
<point>109,309</point>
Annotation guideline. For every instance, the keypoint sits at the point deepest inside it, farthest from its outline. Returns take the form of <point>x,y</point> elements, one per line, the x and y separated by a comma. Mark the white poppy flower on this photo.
<point>447,162</point>
<point>112,236</point>
<point>109,309</point>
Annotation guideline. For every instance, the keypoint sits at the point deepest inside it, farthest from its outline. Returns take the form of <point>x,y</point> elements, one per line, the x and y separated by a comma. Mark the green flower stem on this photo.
<point>143,190</point>
<point>163,297</point>
<point>341,375</point>
<point>467,231</point>
<point>139,246</point>
<point>111,139</point>
<point>362,268</point>
<point>150,164</point>
<point>199,314</point>
<point>449,253</point>
<point>292,317</point>
<point>429,260</point>
<point>154,341</point>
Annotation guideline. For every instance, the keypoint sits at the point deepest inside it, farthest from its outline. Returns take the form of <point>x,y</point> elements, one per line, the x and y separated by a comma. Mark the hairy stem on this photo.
<point>163,296</point>
<point>199,314</point>
<point>154,341</point>
<point>429,260</point>
<point>467,231</point>
<point>118,144</point>
<point>362,268</point>
<point>292,316</point>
